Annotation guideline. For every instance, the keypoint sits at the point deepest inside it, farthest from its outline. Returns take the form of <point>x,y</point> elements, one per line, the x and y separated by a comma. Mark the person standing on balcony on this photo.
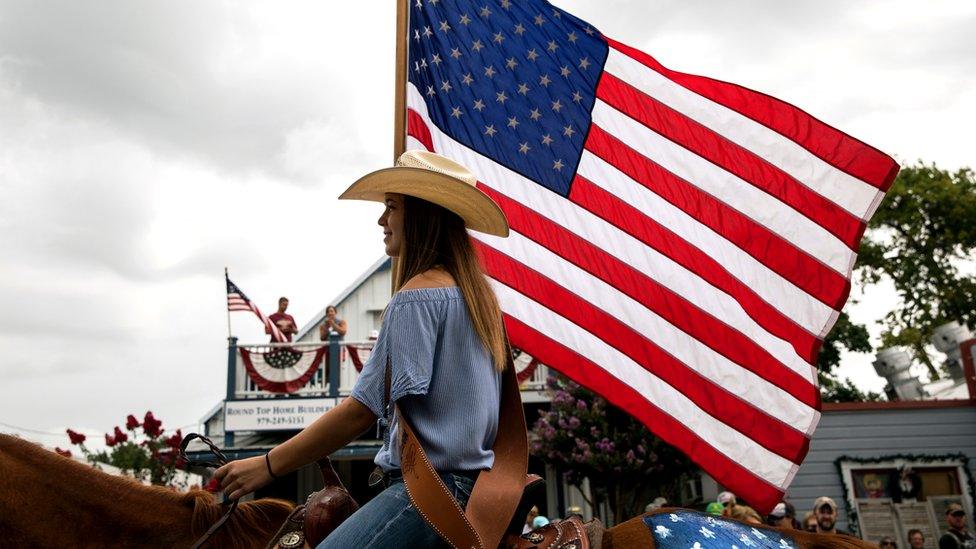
<point>443,341</point>
<point>332,325</point>
<point>284,321</point>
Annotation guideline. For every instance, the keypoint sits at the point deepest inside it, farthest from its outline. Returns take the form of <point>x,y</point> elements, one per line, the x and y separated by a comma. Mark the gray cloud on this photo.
<point>949,50</point>
<point>185,79</point>
<point>721,22</point>
<point>93,209</point>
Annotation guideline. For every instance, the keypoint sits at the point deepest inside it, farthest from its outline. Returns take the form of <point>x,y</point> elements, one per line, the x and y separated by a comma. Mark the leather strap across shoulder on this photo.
<point>496,493</point>
<point>430,496</point>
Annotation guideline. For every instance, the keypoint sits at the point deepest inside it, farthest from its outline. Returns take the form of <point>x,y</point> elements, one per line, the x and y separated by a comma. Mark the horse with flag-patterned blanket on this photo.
<point>47,500</point>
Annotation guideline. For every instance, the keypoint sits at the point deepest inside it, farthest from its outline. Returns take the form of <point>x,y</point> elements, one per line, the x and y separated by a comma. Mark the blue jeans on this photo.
<point>390,520</point>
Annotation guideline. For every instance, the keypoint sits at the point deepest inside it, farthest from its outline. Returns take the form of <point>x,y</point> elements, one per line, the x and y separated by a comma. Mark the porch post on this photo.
<point>334,354</point>
<point>231,383</point>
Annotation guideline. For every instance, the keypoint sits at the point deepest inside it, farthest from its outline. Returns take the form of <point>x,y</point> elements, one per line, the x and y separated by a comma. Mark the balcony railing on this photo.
<point>241,386</point>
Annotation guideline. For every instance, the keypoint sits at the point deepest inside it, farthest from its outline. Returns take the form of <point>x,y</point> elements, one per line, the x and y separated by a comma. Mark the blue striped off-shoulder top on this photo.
<point>442,379</point>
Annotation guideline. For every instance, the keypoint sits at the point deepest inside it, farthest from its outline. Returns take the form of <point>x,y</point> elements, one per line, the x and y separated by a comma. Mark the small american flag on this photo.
<point>237,301</point>
<point>679,244</point>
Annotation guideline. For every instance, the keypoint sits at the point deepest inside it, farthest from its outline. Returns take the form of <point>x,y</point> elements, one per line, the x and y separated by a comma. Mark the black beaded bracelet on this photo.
<point>267,461</point>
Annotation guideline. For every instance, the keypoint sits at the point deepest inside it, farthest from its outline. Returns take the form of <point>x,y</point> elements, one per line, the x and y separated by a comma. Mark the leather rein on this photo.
<point>220,461</point>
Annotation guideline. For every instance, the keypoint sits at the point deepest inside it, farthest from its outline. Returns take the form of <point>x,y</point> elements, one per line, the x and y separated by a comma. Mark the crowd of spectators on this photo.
<point>823,519</point>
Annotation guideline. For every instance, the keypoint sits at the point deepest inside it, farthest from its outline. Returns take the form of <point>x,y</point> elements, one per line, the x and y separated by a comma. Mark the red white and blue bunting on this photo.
<point>284,369</point>
<point>359,355</point>
<point>525,365</point>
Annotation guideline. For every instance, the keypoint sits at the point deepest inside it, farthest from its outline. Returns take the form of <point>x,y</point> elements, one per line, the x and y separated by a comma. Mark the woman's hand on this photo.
<point>241,477</point>
<point>331,431</point>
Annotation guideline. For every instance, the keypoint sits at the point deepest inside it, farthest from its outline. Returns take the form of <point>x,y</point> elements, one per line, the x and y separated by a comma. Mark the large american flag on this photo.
<point>679,244</point>
<point>237,301</point>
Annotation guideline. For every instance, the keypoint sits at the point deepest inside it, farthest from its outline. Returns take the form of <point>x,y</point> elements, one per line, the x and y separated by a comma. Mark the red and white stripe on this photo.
<point>704,251</point>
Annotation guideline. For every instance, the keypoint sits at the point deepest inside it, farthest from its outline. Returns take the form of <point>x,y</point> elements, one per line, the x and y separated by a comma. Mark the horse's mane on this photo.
<point>256,518</point>
<point>252,521</point>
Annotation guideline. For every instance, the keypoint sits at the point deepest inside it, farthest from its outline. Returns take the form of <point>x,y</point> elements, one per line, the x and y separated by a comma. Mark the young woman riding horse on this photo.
<point>442,343</point>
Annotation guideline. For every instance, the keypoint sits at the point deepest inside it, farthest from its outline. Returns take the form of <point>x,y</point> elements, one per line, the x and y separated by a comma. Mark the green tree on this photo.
<point>845,335</point>
<point>583,436</point>
<point>921,239</point>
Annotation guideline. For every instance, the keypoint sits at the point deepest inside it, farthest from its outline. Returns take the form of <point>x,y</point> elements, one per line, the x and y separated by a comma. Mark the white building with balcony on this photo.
<point>250,420</point>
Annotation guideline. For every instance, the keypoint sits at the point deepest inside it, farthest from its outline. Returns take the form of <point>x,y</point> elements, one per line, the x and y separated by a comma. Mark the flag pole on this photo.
<point>226,279</point>
<point>400,97</point>
<point>400,89</point>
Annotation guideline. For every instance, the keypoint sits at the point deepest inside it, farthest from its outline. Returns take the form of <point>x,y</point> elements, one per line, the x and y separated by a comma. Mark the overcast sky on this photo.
<point>146,145</point>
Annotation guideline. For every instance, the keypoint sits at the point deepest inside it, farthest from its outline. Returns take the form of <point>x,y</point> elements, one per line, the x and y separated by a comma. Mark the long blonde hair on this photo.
<point>435,237</point>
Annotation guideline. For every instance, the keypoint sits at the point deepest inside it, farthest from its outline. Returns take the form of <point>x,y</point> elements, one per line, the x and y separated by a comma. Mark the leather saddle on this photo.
<point>570,533</point>
<point>322,512</point>
<point>325,510</point>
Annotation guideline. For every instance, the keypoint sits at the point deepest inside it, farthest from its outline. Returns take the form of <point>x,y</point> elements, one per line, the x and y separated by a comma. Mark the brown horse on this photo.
<point>47,500</point>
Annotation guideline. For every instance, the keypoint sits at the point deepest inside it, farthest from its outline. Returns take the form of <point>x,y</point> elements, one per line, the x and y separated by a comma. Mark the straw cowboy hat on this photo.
<point>436,179</point>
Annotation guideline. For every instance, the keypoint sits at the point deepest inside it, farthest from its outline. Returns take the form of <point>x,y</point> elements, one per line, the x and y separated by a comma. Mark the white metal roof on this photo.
<point>382,264</point>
